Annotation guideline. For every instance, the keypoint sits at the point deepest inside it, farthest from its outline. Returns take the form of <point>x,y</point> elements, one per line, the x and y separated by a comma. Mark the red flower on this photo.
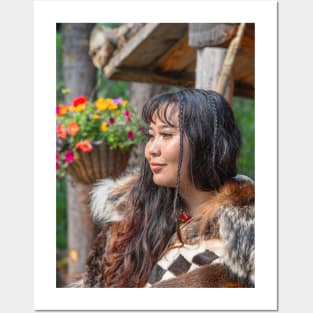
<point>130,135</point>
<point>58,165</point>
<point>61,132</point>
<point>79,100</point>
<point>111,120</point>
<point>127,116</point>
<point>84,145</point>
<point>61,109</point>
<point>73,128</point>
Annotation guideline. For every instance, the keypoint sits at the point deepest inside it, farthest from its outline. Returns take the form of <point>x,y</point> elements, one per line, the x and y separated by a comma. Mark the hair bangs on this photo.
<point>164,106</point>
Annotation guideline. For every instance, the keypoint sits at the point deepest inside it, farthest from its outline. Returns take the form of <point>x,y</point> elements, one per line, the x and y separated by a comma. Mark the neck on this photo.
<point>194,198</point>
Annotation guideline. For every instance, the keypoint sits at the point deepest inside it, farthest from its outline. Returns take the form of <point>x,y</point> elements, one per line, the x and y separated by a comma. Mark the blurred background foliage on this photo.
<point>244,114</point>
<point>243,110</point>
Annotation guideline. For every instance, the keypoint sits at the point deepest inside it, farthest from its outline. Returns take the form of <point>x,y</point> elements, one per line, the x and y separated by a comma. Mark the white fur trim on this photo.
<point>76,284</point>
<point>102,210</point>
<point>243,178</point>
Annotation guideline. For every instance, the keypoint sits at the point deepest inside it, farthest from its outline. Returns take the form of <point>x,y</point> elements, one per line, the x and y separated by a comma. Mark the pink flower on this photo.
<point>69,156</point>
<point>58,165</point>
<point>118,100</point>
<point>130,135</point>
<point>127,115</point>
<point>111,120</point>
<point>58,157</point>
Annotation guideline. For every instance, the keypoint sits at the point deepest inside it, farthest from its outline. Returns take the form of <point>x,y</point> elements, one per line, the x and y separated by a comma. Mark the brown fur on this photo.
<point>228,216</point>
<point>232,193</point>
<point>208,276</point>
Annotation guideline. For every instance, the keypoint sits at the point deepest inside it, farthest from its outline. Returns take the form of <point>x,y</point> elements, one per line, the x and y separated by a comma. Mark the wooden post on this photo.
<point>210,61</point>
<point>230,57</point>
<point>210,58</point>
<point>81,229</point>
<point>80,78</point>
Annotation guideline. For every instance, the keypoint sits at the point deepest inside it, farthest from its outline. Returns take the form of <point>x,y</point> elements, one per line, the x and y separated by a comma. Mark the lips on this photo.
<point>156,167</point>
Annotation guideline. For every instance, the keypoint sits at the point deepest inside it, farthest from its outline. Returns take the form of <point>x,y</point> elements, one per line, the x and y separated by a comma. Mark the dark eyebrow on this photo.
<point>164,126</point>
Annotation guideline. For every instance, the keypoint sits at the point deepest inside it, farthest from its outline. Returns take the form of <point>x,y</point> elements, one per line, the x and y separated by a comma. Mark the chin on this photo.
<point>163,181</point>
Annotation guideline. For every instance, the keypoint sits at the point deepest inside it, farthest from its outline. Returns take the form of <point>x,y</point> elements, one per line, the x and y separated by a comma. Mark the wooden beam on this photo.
<point>177,58</point>
<point>175,79</point>
<point>210,34</point>
<point>132,44</point>
<point>168,78</point>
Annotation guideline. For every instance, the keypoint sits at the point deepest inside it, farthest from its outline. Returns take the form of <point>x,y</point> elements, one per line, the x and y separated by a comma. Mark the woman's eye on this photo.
<point>167,135</point>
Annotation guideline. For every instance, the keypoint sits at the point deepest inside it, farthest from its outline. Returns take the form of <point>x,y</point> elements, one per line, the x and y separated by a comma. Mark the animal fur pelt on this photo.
<point>227,235</point>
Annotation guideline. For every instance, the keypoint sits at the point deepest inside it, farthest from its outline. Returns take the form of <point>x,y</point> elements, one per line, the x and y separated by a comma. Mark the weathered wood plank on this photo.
<point>147,46</point>
<point>168,78</point>
<point>161,40</point>
<point>132,44</point>
<point>177,58</point>
<point>209,62</point>
<point>159,53</point>
<point>210,34</point>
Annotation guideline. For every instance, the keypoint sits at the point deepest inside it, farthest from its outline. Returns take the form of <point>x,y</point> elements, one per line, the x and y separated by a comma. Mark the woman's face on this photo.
<point>162,150</point>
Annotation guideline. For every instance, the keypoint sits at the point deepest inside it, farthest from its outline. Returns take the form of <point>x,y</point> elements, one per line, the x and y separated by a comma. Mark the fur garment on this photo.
<point>218,249</point>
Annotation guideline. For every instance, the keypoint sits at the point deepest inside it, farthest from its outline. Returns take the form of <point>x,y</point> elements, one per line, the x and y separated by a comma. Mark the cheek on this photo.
<point>146,151</point>
<point>171,151</point>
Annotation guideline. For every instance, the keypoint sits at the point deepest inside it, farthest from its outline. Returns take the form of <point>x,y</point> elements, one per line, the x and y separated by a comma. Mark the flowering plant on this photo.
<point>85,123</point>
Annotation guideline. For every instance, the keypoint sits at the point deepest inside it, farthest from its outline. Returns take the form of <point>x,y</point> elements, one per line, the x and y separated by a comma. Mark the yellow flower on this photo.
<point>61,109</point>
<point>101,104</point>
<point>124,102</point>
<point>79,108</point>
<point>112,105</point>
<point>104,127</point>
<point>95,116</point>
<point>116,112</point>
<point>65,91</point>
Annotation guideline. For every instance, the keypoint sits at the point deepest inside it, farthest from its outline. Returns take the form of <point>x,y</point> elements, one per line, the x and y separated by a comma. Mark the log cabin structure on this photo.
<point>184,55</point>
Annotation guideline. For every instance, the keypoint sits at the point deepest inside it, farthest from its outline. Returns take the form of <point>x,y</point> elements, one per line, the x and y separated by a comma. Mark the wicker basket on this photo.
<point>99,163</point>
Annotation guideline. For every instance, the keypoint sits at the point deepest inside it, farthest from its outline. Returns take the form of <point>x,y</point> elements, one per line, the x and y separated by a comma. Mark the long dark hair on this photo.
<point>137,242</point>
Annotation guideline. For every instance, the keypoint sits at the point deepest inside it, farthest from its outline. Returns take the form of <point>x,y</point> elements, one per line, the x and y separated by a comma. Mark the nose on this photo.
<point>154,147</point>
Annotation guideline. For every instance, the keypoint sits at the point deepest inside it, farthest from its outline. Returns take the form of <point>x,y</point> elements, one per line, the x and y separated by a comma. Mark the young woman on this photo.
<point>186,219</point>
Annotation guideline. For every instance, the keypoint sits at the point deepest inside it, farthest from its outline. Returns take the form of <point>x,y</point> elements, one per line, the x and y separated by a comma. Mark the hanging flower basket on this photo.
<point>99,163</point>
<point>94,138</point>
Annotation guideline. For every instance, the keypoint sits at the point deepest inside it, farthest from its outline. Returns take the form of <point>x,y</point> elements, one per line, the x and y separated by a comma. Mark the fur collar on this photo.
<point>232,223</point>
<point>108,196</point>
